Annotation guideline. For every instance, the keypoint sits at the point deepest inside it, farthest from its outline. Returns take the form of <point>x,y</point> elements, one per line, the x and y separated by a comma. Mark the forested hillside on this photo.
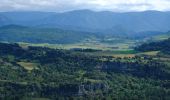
<point>37,72</point>
<point>16,33</point>
<point>163,46</point>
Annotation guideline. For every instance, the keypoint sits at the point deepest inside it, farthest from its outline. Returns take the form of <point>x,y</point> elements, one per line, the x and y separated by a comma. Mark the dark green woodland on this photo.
<point>40,72</point>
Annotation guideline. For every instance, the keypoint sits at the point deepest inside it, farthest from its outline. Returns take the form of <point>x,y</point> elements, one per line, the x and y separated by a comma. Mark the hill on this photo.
<point>17,33</point>
<point>163,46</point>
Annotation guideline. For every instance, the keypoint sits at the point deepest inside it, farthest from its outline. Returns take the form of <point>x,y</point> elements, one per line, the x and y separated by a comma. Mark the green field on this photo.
<point>122,44</point>
<point>28,66</point>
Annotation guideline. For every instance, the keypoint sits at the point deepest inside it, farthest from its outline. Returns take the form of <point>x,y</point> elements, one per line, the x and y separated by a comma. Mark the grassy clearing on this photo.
<point>161,37</point>
<point>28,66</point>
<point>92,80</point>
<point>150,53</point>
<point>35,99</point>
<point>116,53</point>
<point>124,55</point>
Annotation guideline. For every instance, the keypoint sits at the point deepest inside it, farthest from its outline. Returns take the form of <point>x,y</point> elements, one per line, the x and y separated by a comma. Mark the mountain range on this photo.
<point>91,21</point>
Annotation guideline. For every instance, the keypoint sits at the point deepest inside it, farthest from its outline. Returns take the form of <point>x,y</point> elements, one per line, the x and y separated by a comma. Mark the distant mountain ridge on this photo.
<point>86,20</point>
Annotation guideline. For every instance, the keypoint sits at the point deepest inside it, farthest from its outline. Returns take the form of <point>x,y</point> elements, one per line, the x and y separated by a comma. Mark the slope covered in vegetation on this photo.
<point>15,33</point>
<point>36,72</point>
<point>163,46</point>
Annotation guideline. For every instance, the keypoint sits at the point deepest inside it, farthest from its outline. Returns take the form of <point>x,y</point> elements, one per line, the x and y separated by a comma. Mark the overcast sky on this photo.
<point>97,5</point>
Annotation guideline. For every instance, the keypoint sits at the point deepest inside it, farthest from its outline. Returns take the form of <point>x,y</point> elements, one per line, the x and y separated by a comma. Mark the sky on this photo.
<point>96,5</point>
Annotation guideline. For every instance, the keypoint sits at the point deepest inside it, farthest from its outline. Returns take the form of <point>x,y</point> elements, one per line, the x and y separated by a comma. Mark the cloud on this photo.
<point>65,5</point>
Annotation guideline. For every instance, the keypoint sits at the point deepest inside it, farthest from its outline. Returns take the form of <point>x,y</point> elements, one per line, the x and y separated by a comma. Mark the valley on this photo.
<point>85,55</point>
<point>40,72</point>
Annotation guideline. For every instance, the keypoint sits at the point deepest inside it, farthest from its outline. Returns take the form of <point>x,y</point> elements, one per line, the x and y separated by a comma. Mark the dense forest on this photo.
<point>17,33</point>
<point>39,72</point>
<point>163,46</point>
